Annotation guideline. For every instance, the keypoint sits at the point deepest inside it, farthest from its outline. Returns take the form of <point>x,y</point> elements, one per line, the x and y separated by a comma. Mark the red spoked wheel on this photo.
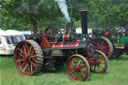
<point>78,68</point>
<point>100,62</point>
<point>28,57</point>
<point>103,44</point>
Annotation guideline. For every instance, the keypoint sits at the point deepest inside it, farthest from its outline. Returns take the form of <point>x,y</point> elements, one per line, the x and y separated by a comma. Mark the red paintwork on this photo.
<point>66,37</point>
<point>30,37</point>
<point>90,60</point>
<point>74,44</point>
<point>44,43</point>
<point>106,34</point>
<point>57,45</point>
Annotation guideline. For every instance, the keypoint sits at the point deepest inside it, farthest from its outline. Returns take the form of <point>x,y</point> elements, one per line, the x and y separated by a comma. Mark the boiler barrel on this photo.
<point>83,13</point>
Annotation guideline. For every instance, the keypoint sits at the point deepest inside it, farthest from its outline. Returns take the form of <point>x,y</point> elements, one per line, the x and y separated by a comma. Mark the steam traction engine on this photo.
<point>115,45</point>
<point>51,49</point>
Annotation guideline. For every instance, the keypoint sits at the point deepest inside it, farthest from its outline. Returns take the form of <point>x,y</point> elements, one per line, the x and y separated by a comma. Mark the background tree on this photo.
<point>31,12</point>
<point>38,14</point>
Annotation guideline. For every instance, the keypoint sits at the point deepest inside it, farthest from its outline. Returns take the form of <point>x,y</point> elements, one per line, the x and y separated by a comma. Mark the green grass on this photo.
<point>117,74</point>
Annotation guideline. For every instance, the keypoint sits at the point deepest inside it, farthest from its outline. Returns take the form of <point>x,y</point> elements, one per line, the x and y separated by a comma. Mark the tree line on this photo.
<point>38,14</point>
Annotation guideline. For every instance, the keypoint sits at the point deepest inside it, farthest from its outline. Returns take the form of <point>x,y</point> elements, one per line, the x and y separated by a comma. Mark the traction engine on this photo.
<point>53,48</point>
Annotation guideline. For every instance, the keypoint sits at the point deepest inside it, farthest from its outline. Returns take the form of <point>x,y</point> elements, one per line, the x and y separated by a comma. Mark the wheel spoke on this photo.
<point>33,56</point>
<point>94,43</point>
<point>21,50</point>
<point>72,71</point>
<point>98,42</point>
<point>102,62</point>
<point>105,43</point>
<point>83,65</point>
<point>101,67</point>
<point>82,73</point>
<point>76,75</point>
<point>76,61</point>
<point>95,56</point>
<point>29,68</point>
<point>32,52</point>
<point>25,67</point>
<point>20,60</point>
<point>79,62</point>
<point>98,68</point>
<point>101,44</point>
<point>21,55</point>
<point>79,76</point>
<point>83,69</point>
<point>26,46</point>
<point>24,49</point>
<point>32,63</point>
<point>23,64</point>
<point>72,63</point>
<point>70,66</point>
<point>107,49</point>
<point>101,59</point>
<point>29,50</point>
<point>34,60</point>
<point>105,52</point>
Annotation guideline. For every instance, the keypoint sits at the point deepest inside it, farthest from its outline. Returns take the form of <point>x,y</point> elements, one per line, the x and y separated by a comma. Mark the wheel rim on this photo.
<point>77,68</point>
<point>25,58</point>
<point>101,44</point>
<point>100,64</point>
<point>90,49</point>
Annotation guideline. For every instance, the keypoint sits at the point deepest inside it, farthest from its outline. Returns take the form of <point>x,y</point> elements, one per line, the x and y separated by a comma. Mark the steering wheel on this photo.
<point>51,32</point>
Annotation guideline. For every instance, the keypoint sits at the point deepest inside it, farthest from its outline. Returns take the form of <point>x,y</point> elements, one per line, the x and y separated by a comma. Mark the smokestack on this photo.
<point>83,13</point>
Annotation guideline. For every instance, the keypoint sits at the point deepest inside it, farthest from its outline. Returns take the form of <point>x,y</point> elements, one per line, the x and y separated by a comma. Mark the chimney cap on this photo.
<point>83,9</point>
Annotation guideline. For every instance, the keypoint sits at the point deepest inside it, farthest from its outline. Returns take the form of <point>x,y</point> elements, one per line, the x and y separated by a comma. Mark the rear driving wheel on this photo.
<point>103,44</point>
<point>100,62</point>
<point>78,68</point>
<point>28,57</point>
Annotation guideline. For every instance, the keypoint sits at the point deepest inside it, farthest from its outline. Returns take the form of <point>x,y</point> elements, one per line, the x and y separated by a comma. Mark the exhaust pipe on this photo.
<point>83,13</point>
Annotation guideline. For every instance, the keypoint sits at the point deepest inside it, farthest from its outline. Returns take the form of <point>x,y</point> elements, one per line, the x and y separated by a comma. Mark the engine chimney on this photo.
<point>83,13</point>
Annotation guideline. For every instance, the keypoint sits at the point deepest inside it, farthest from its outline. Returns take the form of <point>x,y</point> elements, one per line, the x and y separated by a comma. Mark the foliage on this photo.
<point>38,14</point>
<point>31,12</point>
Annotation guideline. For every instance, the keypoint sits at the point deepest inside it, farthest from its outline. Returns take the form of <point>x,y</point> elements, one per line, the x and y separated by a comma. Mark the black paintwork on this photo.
<point>84,22</point>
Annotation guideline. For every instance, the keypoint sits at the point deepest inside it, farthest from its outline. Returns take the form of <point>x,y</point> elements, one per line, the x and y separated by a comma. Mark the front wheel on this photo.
<point>78,68</point>
<point>100,62</point>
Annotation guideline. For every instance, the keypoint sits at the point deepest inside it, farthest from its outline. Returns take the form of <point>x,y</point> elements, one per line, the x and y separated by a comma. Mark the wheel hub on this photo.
<point>26,58</point>
<point>76,68</point>
<point>97,63</point>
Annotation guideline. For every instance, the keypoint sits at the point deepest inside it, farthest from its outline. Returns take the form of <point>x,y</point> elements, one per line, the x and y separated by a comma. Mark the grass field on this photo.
<point>117,74</point>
